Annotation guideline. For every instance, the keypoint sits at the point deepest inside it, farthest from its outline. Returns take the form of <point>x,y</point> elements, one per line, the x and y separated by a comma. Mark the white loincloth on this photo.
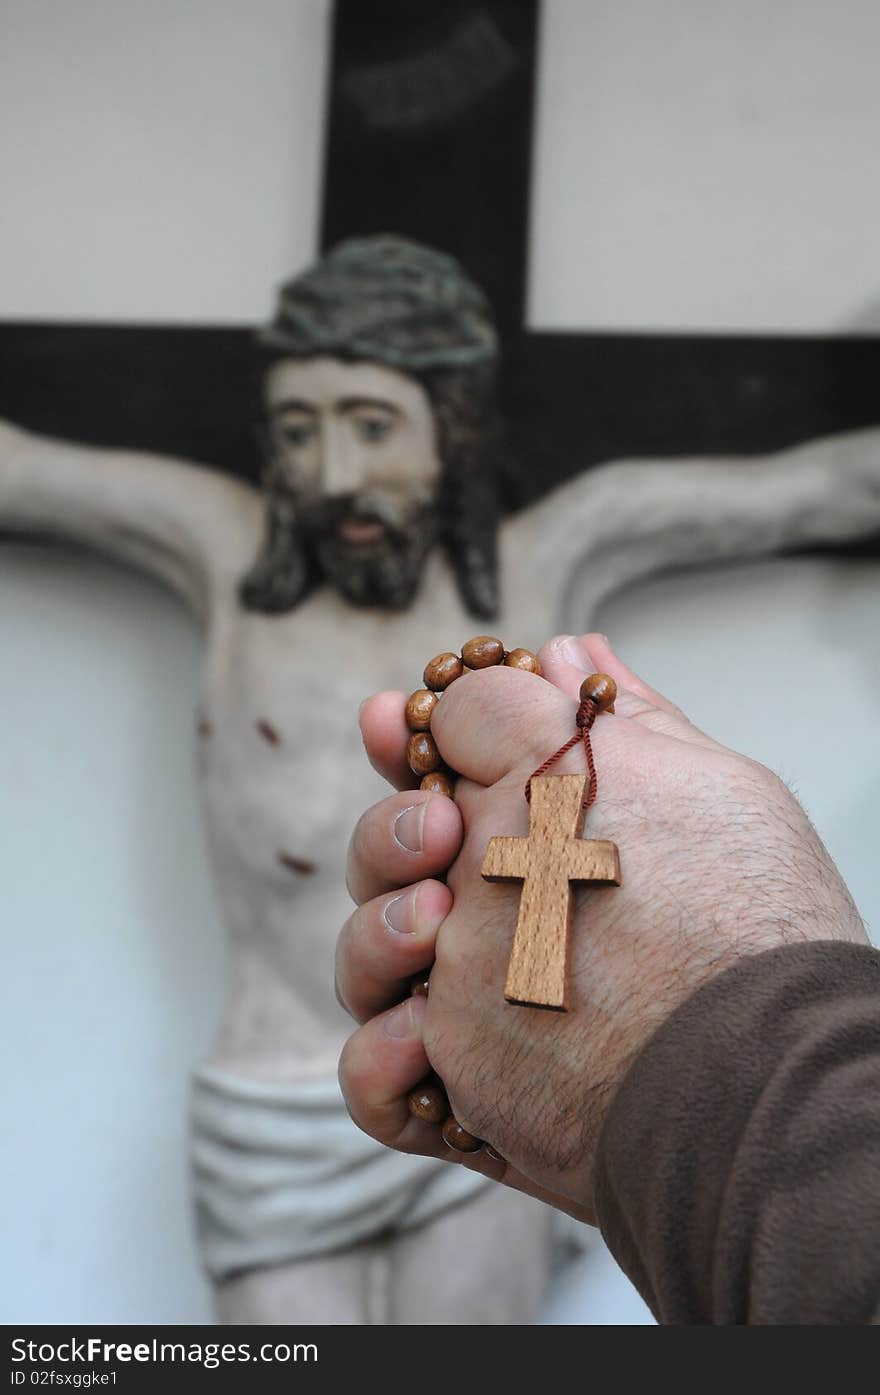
<point>281,1173</point>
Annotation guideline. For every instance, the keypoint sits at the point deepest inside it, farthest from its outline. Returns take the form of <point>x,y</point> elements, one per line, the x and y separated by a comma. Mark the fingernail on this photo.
<point>407,828</point>
<point>398,916</point>
<point>406,1020</point>
<point>572,651</point>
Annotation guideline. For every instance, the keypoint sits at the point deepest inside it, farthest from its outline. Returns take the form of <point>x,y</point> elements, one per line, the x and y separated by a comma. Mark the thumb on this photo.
<point>566,661</point>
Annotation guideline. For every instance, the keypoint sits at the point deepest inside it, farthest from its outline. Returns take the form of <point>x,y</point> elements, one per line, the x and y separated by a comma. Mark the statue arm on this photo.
<point>626,519</point>
<point>190,526</point>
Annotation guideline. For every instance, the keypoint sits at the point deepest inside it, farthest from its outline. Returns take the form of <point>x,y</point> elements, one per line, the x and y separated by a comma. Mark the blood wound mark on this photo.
<point>303,865</point>
<point>269,733</point>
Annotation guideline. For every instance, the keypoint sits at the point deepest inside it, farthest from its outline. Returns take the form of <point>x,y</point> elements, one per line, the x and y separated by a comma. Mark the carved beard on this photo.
<point>301,547</point>
<point>304,544</point>
<point>381,572</point>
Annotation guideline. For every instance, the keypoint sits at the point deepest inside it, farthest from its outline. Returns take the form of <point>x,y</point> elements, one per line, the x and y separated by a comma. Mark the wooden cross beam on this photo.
<point>547,862</point>
<point>447,89</point>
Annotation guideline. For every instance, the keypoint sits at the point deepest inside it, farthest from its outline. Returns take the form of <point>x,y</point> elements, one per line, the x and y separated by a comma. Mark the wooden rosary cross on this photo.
<point>547,863</point>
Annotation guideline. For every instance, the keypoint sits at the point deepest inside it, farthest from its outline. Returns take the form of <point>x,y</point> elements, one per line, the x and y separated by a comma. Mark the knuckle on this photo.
<point>354,1075</point>
<point>340,996</point>
<point>351,875</point>
<point>345,1072</point>
<point>369,846</point>
<point>340,968</point>
<point>356,856</point>
<point>656,720</point>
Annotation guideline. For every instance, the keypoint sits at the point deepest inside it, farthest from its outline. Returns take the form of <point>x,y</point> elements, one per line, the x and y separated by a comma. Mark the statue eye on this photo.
<point>373,429</point>
<point>297,433</point>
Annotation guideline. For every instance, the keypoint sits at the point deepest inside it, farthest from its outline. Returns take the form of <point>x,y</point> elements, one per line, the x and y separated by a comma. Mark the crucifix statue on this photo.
<point>375,523</point>
<point>374,526</point>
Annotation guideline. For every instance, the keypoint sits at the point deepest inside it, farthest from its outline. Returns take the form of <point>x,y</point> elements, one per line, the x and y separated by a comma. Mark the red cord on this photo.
<point>586,716</point>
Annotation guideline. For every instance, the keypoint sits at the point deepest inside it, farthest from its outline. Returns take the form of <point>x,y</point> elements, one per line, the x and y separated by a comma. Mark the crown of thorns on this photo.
<point>385,299</point>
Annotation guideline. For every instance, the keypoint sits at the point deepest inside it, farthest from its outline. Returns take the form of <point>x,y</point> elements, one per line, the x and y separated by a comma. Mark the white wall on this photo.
<point>691,175</point>
<point>708,166</point>
<point>112,951</point>
<point>698,167</point>
<point>160,161</point>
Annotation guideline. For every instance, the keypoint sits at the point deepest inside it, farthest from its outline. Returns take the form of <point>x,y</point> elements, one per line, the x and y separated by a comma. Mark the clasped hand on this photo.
<point>718,861</point>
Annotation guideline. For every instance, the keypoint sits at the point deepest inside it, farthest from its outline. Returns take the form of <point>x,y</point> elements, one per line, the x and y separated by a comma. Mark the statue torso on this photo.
<point>283,779</point>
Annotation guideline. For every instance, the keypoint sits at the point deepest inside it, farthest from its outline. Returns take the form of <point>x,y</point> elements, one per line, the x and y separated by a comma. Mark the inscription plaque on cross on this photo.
<point>547,862</point>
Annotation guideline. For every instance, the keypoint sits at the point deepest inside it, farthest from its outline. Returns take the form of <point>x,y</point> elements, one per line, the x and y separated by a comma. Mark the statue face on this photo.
<point>354,449</point>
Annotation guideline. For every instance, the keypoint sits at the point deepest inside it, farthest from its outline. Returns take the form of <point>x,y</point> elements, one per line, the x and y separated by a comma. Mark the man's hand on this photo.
<point>718,861</point>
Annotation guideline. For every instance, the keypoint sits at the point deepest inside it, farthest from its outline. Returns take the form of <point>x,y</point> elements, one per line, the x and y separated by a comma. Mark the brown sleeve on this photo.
<point>738,1173</point>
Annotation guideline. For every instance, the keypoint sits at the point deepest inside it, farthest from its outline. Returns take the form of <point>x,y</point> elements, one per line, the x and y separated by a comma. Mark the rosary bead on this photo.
<point>492,1152</point>
<point>438,782</point>
<point>422,753</point>
<point>482,652</point>
<point>524,659</point>
<point>458,1138</point>
<point>601,689</point>
<point>441,671</point>
<point>419,709</point>
<point>428,1102</point>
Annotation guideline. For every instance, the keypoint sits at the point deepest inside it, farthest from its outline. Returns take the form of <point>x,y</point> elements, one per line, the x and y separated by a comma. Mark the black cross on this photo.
<point>430,136</point>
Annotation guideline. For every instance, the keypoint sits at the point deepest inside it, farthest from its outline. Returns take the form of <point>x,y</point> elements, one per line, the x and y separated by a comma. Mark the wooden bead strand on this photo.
<point>483,651</point>
<point>428,1101</point>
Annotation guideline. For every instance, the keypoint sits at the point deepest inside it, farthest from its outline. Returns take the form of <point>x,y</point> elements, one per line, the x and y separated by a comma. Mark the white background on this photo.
<point>697,168</point>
